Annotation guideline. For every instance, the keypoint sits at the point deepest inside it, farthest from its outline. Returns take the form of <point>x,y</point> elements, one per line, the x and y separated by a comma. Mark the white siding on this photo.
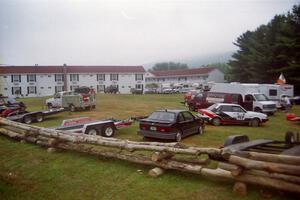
<point>45,83</point>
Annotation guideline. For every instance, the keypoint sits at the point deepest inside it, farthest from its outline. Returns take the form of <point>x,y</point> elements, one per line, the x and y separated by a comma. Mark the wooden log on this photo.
<point>265,166</point>
<point>277,158</point>
<point>252,179</point>
<point>155,172</point>
<point>201,162</point>
<point>196,169</point>
<point>288,178</point>
<point>240,188</point>
<point>11,134</point>
<point>123,144</point>
<point>159,156</point>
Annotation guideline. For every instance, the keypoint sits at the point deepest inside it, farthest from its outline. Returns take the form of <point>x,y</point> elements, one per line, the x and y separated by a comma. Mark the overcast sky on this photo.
<point>125,32</point>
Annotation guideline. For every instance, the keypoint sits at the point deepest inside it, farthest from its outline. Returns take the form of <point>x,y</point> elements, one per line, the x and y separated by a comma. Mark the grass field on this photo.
<point>28,172</point>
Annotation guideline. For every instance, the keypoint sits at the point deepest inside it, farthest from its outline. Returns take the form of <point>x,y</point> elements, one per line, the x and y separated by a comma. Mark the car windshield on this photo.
<point>162,116</point>
<point>212,107</point>
<point>261,97</point>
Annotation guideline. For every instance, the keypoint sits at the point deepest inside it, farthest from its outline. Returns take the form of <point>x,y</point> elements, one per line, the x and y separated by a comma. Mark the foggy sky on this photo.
<point>125,32</point>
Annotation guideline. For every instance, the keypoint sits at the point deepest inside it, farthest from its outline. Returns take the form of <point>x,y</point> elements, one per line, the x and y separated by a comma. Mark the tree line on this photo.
<point>268,51</point>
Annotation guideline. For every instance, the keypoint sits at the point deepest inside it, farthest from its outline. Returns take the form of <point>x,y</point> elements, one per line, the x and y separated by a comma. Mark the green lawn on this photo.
<point>28,172</point>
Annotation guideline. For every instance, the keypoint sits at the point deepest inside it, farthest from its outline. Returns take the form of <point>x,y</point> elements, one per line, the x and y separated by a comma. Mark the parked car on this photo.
<point>6,101</point>
<point>222,113</point>
<point>170,124</point>
<point>136,91</point>
<point>111,89</point>
<point>56,100</point>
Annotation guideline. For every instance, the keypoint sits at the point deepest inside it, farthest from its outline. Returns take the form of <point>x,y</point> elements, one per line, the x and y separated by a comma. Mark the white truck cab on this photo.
<point>56,100</point>
<point>259,103</point>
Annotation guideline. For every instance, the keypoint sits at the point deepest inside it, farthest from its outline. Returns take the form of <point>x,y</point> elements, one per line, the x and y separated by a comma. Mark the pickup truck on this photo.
<point>73,100</point>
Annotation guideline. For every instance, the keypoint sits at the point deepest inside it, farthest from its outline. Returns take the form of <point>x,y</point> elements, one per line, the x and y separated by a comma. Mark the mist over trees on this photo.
<point>166,66</point>
<point>268,51</point>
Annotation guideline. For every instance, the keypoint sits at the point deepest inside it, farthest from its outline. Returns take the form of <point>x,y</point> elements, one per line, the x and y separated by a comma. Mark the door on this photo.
<point>190,126</point>
<point>239,114</point>
<point>248,103</point>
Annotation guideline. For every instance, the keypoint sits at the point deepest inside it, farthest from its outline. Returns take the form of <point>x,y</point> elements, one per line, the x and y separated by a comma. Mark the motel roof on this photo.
<point>184,72</point>
<point>70,69</point>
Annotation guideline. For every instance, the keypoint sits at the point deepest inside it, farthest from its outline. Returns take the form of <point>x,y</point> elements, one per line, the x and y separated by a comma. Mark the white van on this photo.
<point>252,97</point>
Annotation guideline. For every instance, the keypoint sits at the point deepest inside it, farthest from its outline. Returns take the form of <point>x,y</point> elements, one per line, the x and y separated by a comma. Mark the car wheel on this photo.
<point>216,121</point>
<point>255,122</point>
<point>92,131</point>
<point>178,137</point>
<point>191,108</point>
<point>108,131</point>
<point>72,108</point>
<point>50,106</point>
<point>289,137</point>
<point>257,109</point>
<point>27,120</point>
<point>200,130</point>
<point>39,117</point>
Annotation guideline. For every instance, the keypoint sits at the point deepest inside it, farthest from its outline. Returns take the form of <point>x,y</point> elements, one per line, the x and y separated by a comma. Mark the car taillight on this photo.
<point>164,129</point>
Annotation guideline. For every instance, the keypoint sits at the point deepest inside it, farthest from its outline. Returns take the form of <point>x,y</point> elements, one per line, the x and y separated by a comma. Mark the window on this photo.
<point>249,97</point>
<point>226,109</point>
<point>59,89</point>
<point>31,78</point>
<point>187,116</point>
<point>139,86</point>
<point>15,78</point>
<point>139,77</point>
<point>114,77</point>
<point>31,90</point>
<point>16,90</point>
<point>72,87</point>
<point>74,77</point>
<point>180,117</point>
<point>59,77</point>
<point>237,109</point>
<point>273,92</point>
<point>100,77</point>
<point>100,88</point>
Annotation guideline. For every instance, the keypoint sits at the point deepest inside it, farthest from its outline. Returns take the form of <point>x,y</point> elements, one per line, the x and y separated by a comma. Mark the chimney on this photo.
<point>65,77</point>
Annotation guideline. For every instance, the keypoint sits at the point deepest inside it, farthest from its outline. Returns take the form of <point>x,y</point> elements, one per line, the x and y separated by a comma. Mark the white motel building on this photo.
<point>32,81</point>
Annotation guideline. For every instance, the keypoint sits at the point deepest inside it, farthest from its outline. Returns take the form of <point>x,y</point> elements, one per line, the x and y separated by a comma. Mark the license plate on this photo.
<point>152,128</point>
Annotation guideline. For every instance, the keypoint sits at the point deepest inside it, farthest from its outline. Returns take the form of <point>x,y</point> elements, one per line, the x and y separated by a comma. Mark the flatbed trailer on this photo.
<point>29,117</point>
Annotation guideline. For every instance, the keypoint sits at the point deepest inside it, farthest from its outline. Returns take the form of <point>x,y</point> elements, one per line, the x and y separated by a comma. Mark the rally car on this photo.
<point>224,113</point>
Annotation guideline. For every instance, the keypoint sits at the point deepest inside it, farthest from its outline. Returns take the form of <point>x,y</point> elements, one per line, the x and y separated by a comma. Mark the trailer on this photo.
<point>29,117</point>
<point>86,125</point>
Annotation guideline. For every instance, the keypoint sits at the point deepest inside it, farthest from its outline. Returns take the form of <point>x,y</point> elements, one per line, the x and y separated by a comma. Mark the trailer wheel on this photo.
<point>27,119</point>
<point>108,131</point>
<point>39,117</point>
<point>72,108</point>
<point>92,131</point>
<point>216,121</point>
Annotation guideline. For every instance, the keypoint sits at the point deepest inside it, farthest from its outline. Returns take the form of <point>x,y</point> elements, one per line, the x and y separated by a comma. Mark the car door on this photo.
<point>225,112</point>
<point>190,125</point>
<point>239,114</point>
